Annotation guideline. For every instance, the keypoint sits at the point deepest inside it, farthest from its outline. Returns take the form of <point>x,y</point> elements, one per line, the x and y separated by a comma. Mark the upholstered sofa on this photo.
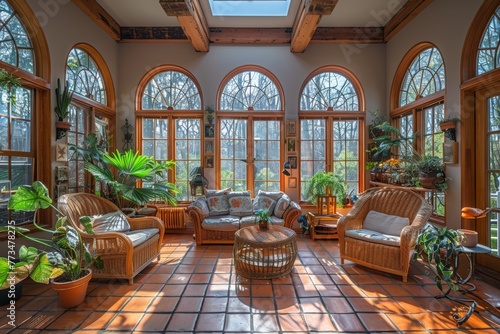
<point>220,213</point>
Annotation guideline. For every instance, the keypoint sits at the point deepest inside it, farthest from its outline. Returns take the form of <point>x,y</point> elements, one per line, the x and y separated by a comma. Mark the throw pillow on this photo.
<point>281,206</point>
<point>110,222</point>
<point>264,203</point>
<point>275,195</point>
<point>384,223</point>
<point>201,203</point>
<point>218,203</point>
<point>240,203</point>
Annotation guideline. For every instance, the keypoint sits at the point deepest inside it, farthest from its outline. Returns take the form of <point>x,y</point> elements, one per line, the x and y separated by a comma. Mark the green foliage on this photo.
<point>392,140</point>
<point>437,248</point>
<point>63,99</point>
<point>130,168</point>
<point>68,255</point>
<point>10,83</point>
<point>120,187</point>
<point>323,180</point>
<point>262,215</point>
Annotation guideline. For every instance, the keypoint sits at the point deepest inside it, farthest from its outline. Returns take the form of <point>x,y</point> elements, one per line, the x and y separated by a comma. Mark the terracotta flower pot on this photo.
<point>470,238</point>
<point>72,293</point>
<point>263,224</point>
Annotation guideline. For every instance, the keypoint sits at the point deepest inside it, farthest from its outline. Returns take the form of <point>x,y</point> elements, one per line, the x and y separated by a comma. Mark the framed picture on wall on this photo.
<point>61,189</point>
<point>61,152</point>
<point>209,147</point>
<point>61,173</point>
<point>209,161</point>
<point>450,152</point>
<point>292,160</point>
<point>291,128</point>
<point>291,144</point>
<point>209,131</point>
<point>292,182</point>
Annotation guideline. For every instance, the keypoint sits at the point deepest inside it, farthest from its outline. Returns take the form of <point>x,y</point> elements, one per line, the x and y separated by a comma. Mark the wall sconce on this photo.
<point>286,167</point>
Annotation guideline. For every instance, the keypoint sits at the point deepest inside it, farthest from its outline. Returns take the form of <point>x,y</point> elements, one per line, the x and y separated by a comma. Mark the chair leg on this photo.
<point>130,281</point>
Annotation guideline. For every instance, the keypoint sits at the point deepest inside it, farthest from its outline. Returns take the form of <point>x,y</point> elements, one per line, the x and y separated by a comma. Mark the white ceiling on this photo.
<point>347,13</point>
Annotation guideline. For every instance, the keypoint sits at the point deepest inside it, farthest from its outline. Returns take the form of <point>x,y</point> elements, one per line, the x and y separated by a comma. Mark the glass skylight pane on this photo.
<point>249,7</point>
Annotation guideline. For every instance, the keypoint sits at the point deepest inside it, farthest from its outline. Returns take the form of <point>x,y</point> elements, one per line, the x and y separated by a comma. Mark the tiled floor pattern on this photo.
<point>194,289</point>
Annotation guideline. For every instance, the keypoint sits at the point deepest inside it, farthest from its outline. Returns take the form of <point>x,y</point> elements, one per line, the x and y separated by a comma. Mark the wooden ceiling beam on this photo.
<point>100,17</point>
<point>307,20</point>
<point>192,20</point>
<point>153,34</point>
<point>404,16</point>
<point>348,35</point>
<point>250,35</point>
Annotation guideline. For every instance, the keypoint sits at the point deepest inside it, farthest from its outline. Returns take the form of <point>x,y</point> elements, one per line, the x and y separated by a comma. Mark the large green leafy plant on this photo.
<point>323,182</point>
<point>131,167</point>
<point>62,253</point>
<point>437,248</point>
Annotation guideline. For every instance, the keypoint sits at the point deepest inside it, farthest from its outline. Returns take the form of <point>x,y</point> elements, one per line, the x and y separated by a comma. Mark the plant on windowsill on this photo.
<point>63,100</point>
<point>64,260</point>
<point>431,173</point>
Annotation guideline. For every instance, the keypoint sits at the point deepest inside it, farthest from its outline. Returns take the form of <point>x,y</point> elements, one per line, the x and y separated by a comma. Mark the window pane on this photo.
<point>171,90</point>
<point>329,90</point>
<point>84,77</point>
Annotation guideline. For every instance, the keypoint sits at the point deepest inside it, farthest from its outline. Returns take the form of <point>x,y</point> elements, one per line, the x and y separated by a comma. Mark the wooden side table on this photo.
<point>264,253</point>
<point>323,226</point>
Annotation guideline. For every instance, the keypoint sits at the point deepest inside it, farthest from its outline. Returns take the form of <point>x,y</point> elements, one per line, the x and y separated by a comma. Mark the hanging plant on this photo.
<point>10,83</point>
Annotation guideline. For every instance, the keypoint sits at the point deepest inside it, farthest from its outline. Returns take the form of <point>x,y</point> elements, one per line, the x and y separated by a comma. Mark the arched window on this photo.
<point>84,77</point>
<point>91,110</point>
<point>488,57</point>
<point>24,63</point>
<point>417,106</point>
<point>170,115</point>
<point>250,122</point>
<point>480,128</point>
<point>331,118</point>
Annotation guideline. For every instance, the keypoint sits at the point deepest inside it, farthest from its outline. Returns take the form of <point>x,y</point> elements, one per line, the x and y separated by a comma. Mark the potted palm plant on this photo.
<point>132,167</point>
<point>64,260</point>
<point>325,183</point>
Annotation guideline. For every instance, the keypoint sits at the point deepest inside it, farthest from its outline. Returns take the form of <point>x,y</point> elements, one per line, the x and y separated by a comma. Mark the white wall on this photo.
<point>445,24</point>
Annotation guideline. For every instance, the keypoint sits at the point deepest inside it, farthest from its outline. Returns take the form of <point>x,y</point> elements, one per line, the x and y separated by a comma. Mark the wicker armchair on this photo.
<point>393,254</point>
<point>121,258</point>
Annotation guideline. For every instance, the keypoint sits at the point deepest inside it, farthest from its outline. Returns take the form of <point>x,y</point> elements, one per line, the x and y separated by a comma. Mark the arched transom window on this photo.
<point>84,77</point>
<point>423,77</point>
<point>250,90</point>
<point>171,90</point>
<point>329,91</point>
<point>488,57</point>
<point>171,123</point>
<point>15,45</point>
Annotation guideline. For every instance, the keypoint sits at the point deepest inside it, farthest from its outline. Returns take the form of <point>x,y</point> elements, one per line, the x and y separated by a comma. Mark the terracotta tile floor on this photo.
<point>195,290</point>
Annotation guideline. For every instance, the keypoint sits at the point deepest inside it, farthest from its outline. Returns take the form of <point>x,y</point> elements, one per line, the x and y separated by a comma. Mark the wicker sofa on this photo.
<point>126,245</point>
<point>381,229</point>
<point>220,213</point>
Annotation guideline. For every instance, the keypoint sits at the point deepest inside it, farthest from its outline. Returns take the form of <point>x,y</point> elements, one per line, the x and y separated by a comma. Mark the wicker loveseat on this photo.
<point>126,245</point>
<point>220,213</point>
<point>381,229</point>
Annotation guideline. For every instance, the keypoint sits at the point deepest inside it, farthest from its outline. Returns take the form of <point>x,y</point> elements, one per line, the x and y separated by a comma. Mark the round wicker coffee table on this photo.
<point>264,253</point>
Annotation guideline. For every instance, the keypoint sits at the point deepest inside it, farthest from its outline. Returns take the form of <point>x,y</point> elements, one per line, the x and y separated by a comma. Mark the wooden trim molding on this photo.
<point>405,15</point>
<point>100,16</point>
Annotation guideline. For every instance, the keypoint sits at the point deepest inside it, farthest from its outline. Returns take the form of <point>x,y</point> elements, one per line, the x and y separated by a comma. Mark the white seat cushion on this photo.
<point>224,223</point>
<point>140,236</point>
<point>374,236</point>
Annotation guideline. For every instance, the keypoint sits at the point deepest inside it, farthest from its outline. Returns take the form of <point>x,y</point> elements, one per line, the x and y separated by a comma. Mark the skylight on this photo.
<point>249,7</point>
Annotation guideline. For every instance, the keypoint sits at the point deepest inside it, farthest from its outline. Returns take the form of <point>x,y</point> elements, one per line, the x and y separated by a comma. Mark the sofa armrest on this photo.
<point>291,214</point>
<point>196,216</point>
